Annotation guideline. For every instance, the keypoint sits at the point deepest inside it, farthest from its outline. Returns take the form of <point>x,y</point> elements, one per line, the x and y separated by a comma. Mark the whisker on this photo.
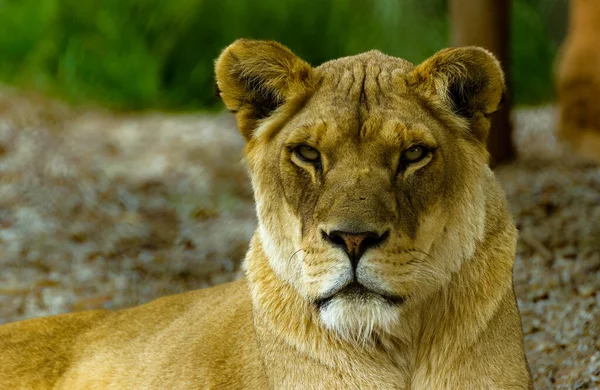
<point>431,272</point>
<point>427,255</point>
<point>414,260</point>
<point>295,253</point>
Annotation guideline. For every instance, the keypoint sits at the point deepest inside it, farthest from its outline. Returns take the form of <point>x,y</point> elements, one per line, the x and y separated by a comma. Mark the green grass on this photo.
<point>135,54</point>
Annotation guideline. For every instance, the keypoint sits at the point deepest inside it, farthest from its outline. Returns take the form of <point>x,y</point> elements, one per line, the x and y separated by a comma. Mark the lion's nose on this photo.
<point>354,244</point>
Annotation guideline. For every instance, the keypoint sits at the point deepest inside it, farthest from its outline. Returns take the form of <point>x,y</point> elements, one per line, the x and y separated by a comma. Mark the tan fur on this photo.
<point>437,308</point>
<point>579,80</point>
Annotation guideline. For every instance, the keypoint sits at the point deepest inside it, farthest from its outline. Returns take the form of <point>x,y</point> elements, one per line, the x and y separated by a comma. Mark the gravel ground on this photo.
<point>555,200</point>
<point>104,210</point>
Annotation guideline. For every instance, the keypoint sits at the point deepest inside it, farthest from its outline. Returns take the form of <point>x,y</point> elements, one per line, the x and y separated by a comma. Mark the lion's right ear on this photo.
<point>467,80</point>
<point>256,77</point>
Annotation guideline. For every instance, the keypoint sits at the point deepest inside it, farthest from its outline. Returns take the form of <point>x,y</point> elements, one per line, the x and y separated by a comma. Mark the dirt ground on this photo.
<point>100,210</point>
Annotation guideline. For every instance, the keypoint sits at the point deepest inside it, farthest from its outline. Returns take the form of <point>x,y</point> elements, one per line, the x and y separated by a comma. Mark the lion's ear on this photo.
<point>468,80</point>
<point>256,77</point>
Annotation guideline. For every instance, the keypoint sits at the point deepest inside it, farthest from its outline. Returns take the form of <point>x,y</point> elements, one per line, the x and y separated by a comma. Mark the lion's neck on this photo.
<point>446,323</point>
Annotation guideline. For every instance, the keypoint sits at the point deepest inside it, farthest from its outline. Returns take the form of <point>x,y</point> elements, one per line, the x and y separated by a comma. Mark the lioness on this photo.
<point>578,80</point>
<point>383,256</point>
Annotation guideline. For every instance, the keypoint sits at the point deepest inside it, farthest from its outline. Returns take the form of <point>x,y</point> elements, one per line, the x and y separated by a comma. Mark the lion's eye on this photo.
<point>414,153</point>
<point>307,153</point>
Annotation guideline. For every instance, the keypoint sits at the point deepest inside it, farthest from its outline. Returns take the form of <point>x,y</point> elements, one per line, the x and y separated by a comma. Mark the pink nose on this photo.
<point>354,244</point>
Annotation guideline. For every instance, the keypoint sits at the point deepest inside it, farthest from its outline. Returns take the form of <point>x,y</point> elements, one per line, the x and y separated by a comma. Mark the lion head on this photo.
<point>367,171</point>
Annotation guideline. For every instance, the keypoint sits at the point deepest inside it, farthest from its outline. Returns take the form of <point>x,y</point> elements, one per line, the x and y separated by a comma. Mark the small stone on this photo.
<point>586,290</point>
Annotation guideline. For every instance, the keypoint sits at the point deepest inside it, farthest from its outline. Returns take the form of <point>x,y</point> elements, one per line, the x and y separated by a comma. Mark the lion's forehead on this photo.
<point>335,130</point>
<point>363,96</point>
<point>363,108</point>
<point>340,126</point>
<point>363,78</point>
<point>370,60</point>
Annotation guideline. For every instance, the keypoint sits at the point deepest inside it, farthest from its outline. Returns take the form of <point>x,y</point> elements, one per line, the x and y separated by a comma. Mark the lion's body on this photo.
<point>578,79</point>
<point>201,339</point>
<point>370,268</point>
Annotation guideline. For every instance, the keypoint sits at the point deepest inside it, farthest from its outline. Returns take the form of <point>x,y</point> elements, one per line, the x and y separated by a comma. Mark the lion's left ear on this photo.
<point>468,80</point>
<point>254,78</point>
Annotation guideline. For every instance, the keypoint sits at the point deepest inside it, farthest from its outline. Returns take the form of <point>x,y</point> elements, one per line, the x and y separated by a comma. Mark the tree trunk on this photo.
<point>485,23</point>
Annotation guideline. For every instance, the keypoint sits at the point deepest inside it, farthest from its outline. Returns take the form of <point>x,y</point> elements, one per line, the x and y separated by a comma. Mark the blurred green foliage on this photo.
<point>134,54</point>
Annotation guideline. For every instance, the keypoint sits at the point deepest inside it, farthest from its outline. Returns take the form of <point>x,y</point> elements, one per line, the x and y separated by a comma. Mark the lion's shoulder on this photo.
<point>185,335</point>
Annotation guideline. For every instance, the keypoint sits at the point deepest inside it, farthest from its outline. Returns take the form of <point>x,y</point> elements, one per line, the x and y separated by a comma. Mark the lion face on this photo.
<point>366,172</point>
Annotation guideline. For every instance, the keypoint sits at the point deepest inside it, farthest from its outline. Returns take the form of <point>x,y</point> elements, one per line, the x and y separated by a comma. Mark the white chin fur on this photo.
<point>356,320</point>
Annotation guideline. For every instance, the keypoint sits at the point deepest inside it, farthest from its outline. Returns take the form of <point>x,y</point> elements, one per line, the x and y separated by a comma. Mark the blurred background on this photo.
<point>138,54</point>
<point>122,179</point>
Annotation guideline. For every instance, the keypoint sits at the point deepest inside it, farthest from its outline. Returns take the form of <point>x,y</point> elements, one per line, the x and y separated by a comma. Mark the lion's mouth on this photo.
<point>357,291</point>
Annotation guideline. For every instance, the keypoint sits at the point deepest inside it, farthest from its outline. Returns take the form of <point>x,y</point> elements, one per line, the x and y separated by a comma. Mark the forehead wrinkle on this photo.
<point>369,128</point>
<point>346,81</point>
<point>372,88</point>
<point>356,89</point>
<point>384,81</point>
<point>320,131</point>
